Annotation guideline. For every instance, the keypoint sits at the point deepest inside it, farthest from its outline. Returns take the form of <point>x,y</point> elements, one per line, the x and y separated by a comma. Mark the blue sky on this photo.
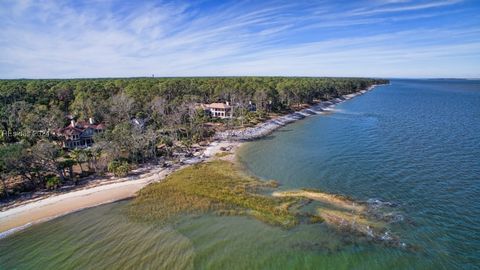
<point>381,38</point>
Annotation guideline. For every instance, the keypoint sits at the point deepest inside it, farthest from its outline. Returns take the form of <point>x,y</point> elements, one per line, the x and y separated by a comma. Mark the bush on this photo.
<point>119,168</point>
<point>52,182</point>
<point>3,194</point>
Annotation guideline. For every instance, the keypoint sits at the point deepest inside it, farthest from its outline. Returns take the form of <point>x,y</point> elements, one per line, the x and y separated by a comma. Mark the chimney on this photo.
<point>228,103</point>
<point>91,121</point>
<point>72,122</point>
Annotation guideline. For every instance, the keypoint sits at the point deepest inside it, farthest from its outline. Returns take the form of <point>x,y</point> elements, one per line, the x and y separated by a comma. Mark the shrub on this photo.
<point>52,182</point>
<point>3,194</point>
<point>119,168</point>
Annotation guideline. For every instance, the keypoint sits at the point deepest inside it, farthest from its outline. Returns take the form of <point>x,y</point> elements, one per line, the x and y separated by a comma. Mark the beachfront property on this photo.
<point>219,110</point>
<point>79,134</point>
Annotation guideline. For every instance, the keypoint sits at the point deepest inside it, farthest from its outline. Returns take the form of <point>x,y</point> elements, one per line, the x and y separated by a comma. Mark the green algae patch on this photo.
<point>217,186</point>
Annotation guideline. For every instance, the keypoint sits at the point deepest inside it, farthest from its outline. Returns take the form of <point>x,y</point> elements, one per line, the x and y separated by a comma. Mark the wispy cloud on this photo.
<point>409,7</point>
<point>121,38</point>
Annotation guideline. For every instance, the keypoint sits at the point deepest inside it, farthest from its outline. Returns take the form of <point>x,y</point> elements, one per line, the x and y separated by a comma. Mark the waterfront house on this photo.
<point>79,134</point>
<point>219,110</point>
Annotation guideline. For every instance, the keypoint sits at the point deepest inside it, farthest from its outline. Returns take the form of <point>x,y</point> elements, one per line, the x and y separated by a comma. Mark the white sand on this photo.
<point>54,206</point>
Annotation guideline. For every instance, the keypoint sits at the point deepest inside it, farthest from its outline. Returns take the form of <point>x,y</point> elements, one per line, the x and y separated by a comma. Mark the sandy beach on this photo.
<point>24,215</point>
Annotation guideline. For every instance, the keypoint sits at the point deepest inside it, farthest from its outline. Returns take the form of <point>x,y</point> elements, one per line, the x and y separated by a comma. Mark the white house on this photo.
<point>220,110</point>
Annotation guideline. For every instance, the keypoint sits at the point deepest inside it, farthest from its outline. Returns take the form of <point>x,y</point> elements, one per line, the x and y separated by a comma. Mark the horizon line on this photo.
<point>240,76</point>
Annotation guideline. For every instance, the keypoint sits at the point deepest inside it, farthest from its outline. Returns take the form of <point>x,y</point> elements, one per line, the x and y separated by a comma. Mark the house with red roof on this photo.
<point>79,134</point>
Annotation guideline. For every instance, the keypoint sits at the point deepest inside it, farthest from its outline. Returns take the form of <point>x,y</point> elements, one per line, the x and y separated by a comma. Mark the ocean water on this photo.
<point>414,143</point>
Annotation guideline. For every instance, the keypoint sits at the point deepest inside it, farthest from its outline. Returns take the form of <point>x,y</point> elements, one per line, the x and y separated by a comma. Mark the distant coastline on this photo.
<point>271,125</point>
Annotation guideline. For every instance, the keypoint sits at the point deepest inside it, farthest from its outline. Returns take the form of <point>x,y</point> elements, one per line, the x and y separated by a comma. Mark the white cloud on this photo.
<point>401,8</point>
<point>47,39</point>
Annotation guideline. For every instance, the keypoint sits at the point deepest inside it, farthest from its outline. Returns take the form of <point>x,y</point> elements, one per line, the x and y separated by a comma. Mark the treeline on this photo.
<point>165,110</point>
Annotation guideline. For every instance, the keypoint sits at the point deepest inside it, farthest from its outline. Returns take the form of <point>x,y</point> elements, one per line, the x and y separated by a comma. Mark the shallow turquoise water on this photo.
<point>415,143</point>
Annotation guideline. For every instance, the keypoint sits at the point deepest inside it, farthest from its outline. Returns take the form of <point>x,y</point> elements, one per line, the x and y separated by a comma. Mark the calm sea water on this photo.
<point>415,143</point>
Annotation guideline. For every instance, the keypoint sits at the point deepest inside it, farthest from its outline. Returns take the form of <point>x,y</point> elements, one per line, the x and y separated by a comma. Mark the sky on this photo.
<point>358,38</point>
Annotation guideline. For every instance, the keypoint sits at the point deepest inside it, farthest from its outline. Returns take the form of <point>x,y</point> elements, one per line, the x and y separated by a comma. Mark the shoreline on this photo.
<point>29,213</point>
<point>39,210</point>
<point>267,127</point>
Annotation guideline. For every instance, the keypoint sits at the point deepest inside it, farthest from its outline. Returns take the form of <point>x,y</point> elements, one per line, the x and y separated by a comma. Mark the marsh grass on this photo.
<point>333,200</point>
<point>218,186</point>
<point>340,212</point>
<point>222,154</point>
<point>352,222</point>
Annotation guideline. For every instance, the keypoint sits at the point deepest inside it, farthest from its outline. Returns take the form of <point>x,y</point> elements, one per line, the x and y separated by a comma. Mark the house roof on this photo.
<point>79,127</point>
<point>70,130</point>
<point>218,106</point>
<point>84,125</point>
<point>101,126</point>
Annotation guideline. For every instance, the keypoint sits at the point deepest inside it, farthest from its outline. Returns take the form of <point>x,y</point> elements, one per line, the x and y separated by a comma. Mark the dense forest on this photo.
<point>167,108</point>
